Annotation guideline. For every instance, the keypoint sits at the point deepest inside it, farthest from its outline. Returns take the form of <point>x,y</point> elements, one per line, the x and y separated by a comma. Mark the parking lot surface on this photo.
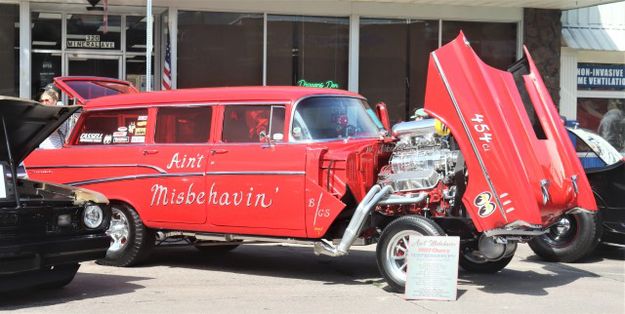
<point>291,279</point>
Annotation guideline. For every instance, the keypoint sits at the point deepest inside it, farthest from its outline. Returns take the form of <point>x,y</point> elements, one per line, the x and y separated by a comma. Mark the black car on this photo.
<point>605,169</point>
<point>45,229</point>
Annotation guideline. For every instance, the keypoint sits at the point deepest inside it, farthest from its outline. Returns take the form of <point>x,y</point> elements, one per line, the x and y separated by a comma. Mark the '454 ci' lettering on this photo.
<point>480,126</point>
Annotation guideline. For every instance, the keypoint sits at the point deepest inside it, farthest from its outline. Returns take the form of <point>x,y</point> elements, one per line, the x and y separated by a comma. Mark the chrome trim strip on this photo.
<point>160,170</point>
<point>256,173</point>
<point>187,105</point>
<point>135,177</point>
<point>506,232</point>
<point>467,130</point>
<point>184,174</point>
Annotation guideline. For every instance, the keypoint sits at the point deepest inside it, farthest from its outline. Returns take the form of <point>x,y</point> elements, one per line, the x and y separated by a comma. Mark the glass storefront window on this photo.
<point>393,63</point>
<point>135,70</point>
<point>604,116</point>
<point>307,51</point>
<point>9,49</point>
<point>495,43</point>
<point>86,31</point>
<point>135,33</point>
<point>85,65</point>
<point>219,49</point>
<point>46,30</point>
<point>45,67</point>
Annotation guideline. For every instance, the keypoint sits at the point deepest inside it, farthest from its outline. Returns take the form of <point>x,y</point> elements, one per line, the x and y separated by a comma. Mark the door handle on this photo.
<point>150,151</point>
<point>218,151</point>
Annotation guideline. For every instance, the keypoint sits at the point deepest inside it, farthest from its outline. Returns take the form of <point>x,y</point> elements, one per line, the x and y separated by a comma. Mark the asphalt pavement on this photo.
<point>291,279</point>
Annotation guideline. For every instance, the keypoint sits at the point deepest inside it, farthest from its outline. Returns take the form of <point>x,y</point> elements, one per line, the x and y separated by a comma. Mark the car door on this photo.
<point>255,181</point>
<point>175,192</point>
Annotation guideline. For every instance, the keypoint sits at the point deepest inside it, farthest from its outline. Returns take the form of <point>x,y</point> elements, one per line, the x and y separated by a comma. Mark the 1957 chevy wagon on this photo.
<point>226,166</point>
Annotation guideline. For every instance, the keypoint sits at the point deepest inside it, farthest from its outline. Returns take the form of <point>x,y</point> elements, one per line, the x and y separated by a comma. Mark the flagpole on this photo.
<point>148,47</point>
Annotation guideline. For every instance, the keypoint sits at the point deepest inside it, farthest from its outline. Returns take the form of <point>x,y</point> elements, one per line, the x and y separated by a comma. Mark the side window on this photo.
<point>248,124</point>
<point>183,125</point>
<point>113,127</point>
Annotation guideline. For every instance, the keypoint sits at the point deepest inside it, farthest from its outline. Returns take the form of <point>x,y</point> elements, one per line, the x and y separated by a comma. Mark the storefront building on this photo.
<point>379,49</point>
<point>593,70</point>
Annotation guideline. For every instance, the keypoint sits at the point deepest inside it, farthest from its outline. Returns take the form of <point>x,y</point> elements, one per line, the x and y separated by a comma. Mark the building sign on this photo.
<point>597,76</point>
<point>90,42</point>
<point>326,84</point>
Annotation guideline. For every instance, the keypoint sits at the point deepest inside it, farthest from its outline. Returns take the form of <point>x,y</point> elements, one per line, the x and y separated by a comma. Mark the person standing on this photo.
<point>612,125</point>
<point>50,97</point>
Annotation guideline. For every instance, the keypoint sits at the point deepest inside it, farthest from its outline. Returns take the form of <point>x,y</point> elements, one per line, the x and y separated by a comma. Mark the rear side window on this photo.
<point>113,127</point>
<point>250,124</point>
<point>183,125</point>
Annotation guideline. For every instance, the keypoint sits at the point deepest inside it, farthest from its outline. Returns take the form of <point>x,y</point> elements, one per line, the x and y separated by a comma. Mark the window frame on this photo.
<point>156,109</point>
<point>219,131</point>
<point>73,141</point>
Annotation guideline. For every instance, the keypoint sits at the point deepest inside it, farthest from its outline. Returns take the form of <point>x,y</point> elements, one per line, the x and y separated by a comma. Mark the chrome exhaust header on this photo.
<point>373,197</point>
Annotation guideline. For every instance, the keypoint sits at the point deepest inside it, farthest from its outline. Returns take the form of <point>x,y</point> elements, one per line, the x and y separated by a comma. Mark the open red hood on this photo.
<point>523,170</point>
<point>83,88</point>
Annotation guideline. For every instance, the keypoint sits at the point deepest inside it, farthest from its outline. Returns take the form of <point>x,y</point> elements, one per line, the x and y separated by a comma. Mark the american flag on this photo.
<point>166,82</point>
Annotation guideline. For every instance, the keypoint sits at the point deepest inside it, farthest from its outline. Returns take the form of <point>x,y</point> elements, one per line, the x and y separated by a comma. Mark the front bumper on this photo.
<point>23,256</point>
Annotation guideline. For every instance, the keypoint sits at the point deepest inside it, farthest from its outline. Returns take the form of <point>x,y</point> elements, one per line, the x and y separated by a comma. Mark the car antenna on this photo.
<point>11,163</point>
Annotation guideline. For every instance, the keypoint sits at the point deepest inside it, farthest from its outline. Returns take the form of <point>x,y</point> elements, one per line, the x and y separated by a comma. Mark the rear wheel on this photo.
<point>392,248</point>
<point>570,239</point>
<point>131,240</point>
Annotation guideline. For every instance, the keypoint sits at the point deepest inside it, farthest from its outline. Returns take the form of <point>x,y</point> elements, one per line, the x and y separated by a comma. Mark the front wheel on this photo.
<point>392,248</point>
<point>131,240</point>
<point>571,238</point>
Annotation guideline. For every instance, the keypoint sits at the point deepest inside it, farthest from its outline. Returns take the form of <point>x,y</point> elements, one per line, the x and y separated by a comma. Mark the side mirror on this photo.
<point>382,113</point>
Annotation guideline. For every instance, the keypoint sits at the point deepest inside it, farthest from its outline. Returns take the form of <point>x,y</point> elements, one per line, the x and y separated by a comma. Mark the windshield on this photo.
<point>591,146</point>
<point>328,118</point>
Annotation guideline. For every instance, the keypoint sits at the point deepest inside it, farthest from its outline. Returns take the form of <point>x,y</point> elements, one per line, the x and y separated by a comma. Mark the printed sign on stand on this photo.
<point>432,268</point>
<point>3,188</point>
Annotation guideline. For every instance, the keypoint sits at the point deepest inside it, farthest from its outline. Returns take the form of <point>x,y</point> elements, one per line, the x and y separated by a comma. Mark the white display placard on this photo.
<point>432,268</point>
<point>3,188</point>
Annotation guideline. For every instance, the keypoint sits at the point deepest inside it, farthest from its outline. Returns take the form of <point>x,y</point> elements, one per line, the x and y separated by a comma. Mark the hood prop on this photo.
<point>11,164</point>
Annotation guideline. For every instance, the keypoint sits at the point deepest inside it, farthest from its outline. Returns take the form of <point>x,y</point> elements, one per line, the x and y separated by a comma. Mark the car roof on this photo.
<point>213,95</point>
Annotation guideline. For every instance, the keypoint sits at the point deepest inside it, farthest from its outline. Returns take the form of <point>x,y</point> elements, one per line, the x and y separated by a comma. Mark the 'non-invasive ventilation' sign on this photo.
<point>596,76</point>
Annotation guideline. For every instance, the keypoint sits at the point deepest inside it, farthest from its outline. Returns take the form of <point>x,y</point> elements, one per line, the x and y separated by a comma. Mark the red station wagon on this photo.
<point>226,166</point>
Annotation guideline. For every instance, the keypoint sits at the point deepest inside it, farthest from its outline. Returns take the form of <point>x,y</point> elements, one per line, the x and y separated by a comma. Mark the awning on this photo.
<point>588,38</point>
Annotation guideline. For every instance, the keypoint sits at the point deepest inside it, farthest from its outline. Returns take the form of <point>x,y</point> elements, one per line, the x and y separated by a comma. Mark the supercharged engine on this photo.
<point>423,170</point>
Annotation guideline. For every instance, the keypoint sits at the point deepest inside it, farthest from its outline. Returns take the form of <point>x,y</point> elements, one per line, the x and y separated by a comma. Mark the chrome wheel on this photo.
<point>562,227</point>
<point>119,231</point>
<point>396,257</point>
<point>563,232</point>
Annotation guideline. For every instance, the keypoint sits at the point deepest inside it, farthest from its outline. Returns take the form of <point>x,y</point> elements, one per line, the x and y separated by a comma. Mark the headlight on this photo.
<point>92,216</point>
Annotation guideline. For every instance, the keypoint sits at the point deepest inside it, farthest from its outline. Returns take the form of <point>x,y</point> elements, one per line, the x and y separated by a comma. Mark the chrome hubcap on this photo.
<point>397,255</point>
<point>562,227</point>
<point>119,230</point>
